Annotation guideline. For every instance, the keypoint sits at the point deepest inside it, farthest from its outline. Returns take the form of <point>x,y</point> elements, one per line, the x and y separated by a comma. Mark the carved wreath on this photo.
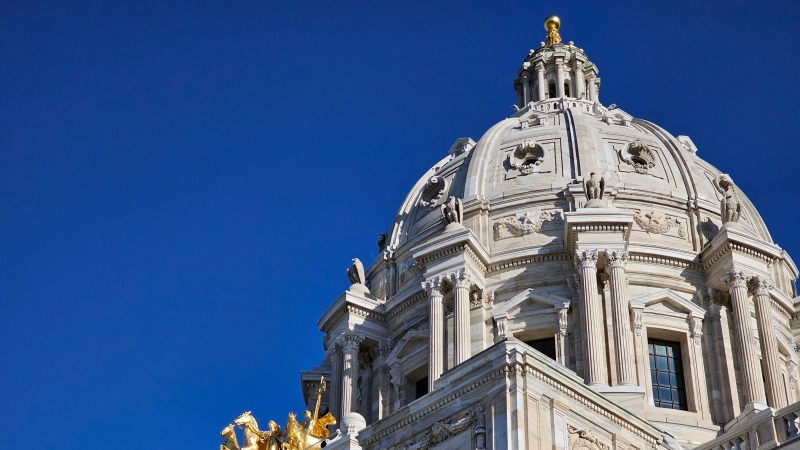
<point>527,156</point>
<point>638,155</point>
<point>434,190</point>
<point>524,223</point>
<point>654,223</point>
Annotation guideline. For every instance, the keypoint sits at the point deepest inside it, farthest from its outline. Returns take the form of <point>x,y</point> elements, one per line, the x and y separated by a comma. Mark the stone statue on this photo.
<point>382,242</point>
<point>731,207</point>
<point>453,213</point>
<point>595,188</point>
<point>356,272</point>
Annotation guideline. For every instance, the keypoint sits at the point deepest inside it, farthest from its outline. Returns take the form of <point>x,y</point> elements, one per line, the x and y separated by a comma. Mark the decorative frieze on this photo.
<point>443,430</point>
<point>525,223</point>
<point>584,440</point>
<point>656,223</point>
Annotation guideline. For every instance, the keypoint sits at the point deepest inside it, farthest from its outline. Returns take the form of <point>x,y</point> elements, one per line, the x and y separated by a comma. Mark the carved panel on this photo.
<point>527,222</point>
<point>656,223</point>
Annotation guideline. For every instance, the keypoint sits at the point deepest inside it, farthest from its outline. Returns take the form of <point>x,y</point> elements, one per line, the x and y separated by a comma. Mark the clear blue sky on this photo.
<point>183,184</point>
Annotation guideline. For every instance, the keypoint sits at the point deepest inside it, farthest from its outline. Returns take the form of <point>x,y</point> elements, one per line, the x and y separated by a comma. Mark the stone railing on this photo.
<point>762,430</point>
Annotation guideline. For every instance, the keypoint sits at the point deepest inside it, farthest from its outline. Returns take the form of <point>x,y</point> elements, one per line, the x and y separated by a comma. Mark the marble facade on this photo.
<point>530,278</point>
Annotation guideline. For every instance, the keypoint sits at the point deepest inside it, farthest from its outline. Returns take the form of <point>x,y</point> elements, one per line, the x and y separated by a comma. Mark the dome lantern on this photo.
<point>555,71</point>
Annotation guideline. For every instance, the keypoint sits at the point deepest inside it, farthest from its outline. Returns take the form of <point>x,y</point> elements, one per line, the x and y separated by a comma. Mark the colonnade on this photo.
<point>534,83</point>
<point>740,285</point>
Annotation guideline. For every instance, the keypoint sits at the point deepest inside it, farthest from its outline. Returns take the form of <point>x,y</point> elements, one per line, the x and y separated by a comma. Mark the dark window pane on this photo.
<point>546,346</point>
<point>421,387</point>
<point>666,374</point>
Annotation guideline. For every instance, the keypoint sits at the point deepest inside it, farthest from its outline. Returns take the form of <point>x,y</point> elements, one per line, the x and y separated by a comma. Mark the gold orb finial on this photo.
<point>552,24</point>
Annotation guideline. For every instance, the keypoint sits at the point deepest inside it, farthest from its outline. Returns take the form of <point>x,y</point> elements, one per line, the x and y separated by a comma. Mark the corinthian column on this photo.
<point>350,345</point>
<point>578,84</point>
<point>776,393</point>
<point>616,260</point>
<point>436,331</point>
<point>335,402</point>
<point>750,368</point>
<point>462,282</point>
<point>595,361</point>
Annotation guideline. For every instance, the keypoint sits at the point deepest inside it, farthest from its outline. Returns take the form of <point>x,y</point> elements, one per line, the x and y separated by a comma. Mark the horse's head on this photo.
<point>227,431</point>
<point>244,419</point>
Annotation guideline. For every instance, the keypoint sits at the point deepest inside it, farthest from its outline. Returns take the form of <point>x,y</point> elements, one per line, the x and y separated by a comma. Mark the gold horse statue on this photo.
<point>308,435</point>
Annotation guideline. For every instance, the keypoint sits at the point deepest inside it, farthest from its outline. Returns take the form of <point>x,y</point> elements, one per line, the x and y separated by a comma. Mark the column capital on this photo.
<point>617,258</point>
<point>461,279</point>
<point>538,66</point>
<point>351,340</point>
<point>433,287</point>
<point>586,259</point>
<point>334,350</point>
<point>760,285</point>
<point>736,278</point>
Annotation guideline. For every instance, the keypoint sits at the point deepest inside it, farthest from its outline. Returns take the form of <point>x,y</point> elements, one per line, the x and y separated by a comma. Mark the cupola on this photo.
<point>555,71</point>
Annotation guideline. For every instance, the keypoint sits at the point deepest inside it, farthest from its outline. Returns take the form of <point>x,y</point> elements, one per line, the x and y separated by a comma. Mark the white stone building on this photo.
<point>577,278</point>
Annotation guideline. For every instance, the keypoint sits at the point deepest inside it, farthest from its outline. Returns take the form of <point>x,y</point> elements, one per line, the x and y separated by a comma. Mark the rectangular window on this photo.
<point>546,346</point>
<point>666,374</point>
<point>420,388</point>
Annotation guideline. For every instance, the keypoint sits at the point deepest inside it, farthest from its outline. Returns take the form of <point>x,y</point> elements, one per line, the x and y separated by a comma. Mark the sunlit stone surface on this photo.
<point>576,278</point>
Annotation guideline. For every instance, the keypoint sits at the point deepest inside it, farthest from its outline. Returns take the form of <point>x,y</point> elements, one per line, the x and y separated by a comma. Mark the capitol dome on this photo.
<point>574,264</point>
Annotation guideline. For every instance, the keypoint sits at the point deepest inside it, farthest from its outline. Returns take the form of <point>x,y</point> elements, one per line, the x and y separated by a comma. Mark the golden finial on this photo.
<point>552,24</point>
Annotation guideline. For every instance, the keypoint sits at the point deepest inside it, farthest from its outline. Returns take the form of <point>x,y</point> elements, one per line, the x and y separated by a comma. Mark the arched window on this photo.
<point>566,89</point>
<point>551,90</point>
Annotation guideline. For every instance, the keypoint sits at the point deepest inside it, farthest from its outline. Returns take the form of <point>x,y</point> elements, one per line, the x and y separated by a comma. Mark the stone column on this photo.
<point>626,365</point>
<point>463,344</point>
<point>526,86</point>
<point>776,393</point>
<point>595,361</point>
<point>436,331</point>
<point>560,77</point>
<point>540,84</point>
<point>752,383</point>
<point>381,402</point>
<point>592,88</point>
<point>335,401</point>
<point>350,345</point>
<point>578,81</point>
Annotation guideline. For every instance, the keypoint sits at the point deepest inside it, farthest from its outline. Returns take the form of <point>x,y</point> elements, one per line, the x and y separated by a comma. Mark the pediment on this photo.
<point>667,300</point>
<point>407,345</point>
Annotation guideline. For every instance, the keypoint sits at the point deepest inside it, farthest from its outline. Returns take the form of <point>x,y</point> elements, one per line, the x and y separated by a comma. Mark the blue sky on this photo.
<point>183,184</point>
